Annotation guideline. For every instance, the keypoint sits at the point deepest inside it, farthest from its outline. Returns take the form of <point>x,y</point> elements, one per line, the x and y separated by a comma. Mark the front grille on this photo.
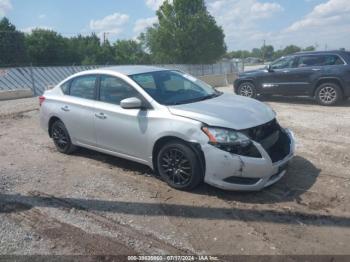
<point>242,180</point>
<point>272,138</point>
<point>261,132</point>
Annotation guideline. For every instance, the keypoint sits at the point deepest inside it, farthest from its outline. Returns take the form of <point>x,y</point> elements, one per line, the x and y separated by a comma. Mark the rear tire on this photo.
<point>329,94</point>
<point>247,89</point>
<point>61,138</point>
<point>178,166</point>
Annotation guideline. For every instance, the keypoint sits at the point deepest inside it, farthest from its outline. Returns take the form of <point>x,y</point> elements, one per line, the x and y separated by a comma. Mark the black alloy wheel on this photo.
<point>61,138</point>
<point>178,165</point>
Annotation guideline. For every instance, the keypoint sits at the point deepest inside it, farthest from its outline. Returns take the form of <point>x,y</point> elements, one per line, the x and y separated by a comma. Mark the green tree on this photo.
<point>130,52</point>
<point>87,50</point>
<point>309,48</point>
<point>238,54</point>
<point>256,52</point>
<point>186,33</point>
<point>291,49</point>
<point>106,54</point>
<point>46,47</point>
<point>12,48</point>
<point>267,52</point>
<point>277,54</point>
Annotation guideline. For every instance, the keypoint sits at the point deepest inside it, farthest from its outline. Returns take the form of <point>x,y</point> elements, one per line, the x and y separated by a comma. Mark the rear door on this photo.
<point>77,109</point>
<point>309,68</point>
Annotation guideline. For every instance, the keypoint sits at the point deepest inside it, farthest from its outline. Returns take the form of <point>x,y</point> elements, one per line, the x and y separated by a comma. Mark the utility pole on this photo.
<point>264,51</point>
<point>105,35</point>
<point>243,60</point>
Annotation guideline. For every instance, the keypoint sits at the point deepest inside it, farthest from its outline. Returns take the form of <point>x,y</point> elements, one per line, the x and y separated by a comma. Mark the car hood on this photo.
<point>230,111</point>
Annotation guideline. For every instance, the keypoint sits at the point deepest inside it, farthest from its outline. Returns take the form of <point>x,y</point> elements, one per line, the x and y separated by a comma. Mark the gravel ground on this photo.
<point>91,203</point>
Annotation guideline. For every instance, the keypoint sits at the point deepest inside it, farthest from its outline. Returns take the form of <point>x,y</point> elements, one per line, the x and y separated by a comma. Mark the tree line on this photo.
<point>185,33</point>
<point>44,47</point>
<point>267,52</point>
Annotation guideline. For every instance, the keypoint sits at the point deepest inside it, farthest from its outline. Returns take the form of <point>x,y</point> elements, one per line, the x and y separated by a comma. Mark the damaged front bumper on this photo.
<point>234,172</point>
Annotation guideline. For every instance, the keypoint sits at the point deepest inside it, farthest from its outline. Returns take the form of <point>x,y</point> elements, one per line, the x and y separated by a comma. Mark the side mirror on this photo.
<point>131,103</point>
<point>269,68</point>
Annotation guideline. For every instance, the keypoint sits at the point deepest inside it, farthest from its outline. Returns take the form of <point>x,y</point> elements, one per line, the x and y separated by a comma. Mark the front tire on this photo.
<point>329,94</point>
<point>247,89</point>
<point>61,138</point>
<point>179,166</point>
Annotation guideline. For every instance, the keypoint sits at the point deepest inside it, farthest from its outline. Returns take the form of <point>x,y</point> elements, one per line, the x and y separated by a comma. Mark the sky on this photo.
<point>246,23</point>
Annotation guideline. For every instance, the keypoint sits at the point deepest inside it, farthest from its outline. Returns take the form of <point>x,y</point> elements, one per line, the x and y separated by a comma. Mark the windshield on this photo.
<point>174,87</point>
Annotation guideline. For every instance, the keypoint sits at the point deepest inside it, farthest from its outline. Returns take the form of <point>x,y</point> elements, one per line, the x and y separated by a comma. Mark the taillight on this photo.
<point>41,100</point>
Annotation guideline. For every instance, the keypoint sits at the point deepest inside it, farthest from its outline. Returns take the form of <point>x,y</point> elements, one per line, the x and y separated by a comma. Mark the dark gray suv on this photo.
<point>323,75</point>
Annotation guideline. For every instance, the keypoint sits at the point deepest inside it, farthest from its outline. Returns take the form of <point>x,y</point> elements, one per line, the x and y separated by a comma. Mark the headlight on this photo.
<point>231,141</point>
<point>225,136</point>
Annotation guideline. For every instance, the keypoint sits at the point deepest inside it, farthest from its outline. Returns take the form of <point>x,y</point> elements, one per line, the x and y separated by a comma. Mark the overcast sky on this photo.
<point>246,23</point>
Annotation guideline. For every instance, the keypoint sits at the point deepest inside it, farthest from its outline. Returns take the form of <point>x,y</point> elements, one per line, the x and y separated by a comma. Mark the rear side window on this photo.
<point>83,87</point>
<point>113,90</point>
<point>333,60</point>
<point>65,88</point>
<point>319,60</point>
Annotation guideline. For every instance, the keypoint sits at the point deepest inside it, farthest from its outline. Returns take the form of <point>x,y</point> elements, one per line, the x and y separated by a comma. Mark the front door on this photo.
<point>275,80</point>
<point>119,130</point>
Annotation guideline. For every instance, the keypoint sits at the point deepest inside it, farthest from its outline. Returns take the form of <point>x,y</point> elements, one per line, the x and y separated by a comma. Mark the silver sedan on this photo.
<point>182,128</point>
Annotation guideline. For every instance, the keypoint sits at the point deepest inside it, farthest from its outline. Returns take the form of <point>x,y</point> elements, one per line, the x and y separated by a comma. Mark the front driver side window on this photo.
<point>282,63</point>
<point>113,90</point>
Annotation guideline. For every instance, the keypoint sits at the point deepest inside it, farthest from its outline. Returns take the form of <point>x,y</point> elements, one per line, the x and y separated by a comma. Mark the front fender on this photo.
<point>182,128</point>
<point>239,81</point>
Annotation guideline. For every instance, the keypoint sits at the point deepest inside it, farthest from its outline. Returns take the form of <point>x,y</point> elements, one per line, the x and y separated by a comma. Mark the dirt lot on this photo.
<point>90,203</point>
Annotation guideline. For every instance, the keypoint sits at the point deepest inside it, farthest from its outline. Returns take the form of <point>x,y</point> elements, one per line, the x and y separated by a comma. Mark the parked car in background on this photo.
<point>322,75</point>
<point>182,128</point>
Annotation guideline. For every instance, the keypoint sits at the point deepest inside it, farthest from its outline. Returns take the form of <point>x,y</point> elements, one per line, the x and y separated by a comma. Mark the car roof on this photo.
<point>339,52</point>
<point>133,69</point>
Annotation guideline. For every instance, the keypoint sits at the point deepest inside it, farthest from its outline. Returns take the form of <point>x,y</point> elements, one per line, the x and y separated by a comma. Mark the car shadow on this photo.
<point>302,100</point>
<point>113,161</point>
<point>301,176</point>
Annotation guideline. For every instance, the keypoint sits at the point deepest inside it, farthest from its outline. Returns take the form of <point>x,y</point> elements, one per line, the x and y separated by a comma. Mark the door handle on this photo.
<point>101,116</point>
<point>65,108</point>
<point>316,69</point>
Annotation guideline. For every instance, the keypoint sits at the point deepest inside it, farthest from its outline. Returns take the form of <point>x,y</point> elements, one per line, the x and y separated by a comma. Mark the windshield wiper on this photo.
<point>216,94</point>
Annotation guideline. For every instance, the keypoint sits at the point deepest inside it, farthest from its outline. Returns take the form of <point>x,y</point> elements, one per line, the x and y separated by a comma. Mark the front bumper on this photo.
<point>251,174</point>
<point>235,85</point>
